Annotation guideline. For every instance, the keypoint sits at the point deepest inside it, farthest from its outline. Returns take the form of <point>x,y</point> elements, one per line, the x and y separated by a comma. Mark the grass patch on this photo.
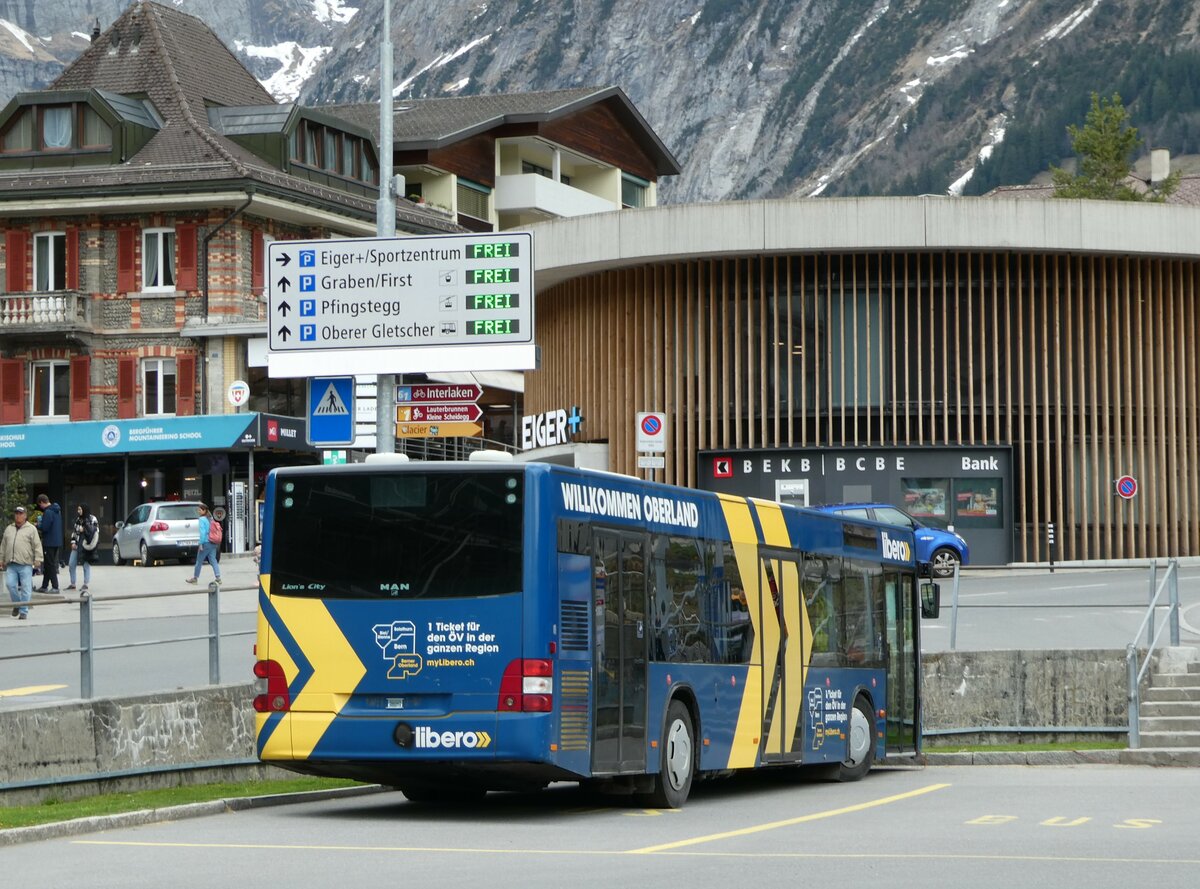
<point>1025,748</point>
<point>53,810</point>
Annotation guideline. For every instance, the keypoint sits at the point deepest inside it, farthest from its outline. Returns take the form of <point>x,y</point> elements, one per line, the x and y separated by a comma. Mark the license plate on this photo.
<point>188,542</point>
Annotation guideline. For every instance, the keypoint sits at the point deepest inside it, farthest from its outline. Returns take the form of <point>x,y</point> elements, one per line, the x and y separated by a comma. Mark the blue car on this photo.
<point>938,551</point>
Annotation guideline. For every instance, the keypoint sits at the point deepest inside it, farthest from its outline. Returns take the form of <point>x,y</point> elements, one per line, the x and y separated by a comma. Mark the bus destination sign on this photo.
<point>363,293</point>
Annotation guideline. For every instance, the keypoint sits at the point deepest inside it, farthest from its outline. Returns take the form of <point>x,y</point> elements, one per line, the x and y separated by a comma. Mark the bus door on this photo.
<point>781,652</point>
<point>903,661</point>
<point>620,651</point>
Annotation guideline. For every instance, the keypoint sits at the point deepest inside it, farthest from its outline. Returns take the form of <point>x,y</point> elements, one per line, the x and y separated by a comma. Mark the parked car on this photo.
<point>166,530</point>
<point>938,551</point>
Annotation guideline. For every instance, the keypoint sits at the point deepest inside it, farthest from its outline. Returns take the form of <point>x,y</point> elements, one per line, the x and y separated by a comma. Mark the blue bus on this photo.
<point>454,628</point>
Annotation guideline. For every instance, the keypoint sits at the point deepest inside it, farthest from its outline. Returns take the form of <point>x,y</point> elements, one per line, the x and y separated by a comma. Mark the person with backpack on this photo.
<point>211,534</point>
<point>85,541</point>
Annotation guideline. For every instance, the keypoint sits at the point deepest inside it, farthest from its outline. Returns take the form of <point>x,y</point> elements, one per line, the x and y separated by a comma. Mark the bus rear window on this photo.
<point>404,535</point>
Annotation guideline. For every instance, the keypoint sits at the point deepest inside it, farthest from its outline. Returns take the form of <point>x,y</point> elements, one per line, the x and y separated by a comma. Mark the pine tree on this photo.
<point>1106,145</point>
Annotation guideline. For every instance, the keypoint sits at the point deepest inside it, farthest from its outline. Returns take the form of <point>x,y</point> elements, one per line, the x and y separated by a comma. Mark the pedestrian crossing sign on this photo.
<point>330,411</point>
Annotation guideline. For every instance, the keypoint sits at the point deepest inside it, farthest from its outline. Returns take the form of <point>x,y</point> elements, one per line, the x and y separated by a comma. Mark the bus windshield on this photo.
<point>408,535</point>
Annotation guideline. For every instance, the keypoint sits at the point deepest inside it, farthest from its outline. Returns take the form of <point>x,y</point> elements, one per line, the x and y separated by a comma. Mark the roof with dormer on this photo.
<point>178,64</point>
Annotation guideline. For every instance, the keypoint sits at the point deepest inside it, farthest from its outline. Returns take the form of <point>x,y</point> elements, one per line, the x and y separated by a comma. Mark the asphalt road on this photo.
<point>1002,826</point>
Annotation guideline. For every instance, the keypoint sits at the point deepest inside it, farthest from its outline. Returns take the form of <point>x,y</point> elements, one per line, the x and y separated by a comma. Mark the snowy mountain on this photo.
<point>281,41</point>
<point>757,98</point>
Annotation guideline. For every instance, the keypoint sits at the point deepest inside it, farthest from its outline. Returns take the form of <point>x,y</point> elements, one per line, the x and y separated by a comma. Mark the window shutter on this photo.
<point>126,271</point>
<point>15,243</point>
<point>185,265</point>
<point>256,261</point>
<point>12,390</point>
<point>81,386</point>
<point>126,388</point>
<point>185,385</point>
<point>72,259</point>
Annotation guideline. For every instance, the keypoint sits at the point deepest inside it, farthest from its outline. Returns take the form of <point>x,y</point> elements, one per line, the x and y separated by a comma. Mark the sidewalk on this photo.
<point>161,587</point>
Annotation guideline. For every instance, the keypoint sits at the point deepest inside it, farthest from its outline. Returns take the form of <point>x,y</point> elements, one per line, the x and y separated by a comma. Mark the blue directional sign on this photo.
<point>330,411</point>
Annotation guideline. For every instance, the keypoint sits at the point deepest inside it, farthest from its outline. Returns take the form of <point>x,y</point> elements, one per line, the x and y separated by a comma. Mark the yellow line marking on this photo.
<point>28,690</point>
<point>773,825</point>
<point>840,856</point>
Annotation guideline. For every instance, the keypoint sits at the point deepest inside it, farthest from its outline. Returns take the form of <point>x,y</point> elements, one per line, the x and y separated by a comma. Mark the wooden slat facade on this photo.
<point>1084,364</point>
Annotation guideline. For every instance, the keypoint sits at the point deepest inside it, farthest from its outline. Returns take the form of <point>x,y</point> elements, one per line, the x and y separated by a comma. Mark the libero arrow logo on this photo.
<point>429,739</point>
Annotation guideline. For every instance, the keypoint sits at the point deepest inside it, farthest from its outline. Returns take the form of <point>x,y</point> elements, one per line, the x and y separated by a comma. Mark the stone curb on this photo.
<point>78,826</point>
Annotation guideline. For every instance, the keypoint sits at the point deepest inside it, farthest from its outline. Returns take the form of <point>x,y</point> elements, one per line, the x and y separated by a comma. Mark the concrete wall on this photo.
<point>112,743</point>
<point>1027,689</point>
<point>83,747</point>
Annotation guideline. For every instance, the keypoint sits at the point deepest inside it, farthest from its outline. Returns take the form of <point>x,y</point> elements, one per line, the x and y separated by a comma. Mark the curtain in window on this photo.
<point>20,133</point>
<point>168,258</point>
<point>56,127</point>
<point>150,259</point>
<point>95,131</point>
<point>41,263</point>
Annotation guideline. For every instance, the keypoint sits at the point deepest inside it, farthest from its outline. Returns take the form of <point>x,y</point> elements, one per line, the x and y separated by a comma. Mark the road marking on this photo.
<point>835,856</point>
<point>28,690</point>
<point>1079,586</point>
<point>773,825</point>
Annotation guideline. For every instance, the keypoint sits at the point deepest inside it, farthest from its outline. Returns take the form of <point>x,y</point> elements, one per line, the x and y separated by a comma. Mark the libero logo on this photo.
<point>898,550</point>
<point>428,739</point>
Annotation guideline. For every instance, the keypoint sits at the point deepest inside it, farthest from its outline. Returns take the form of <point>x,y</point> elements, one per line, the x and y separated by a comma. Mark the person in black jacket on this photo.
<point>84,539</point>
<point>51,527</point>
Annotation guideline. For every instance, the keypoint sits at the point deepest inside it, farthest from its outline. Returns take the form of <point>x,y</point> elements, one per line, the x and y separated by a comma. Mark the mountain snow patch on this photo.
<point>296,65</point>
<point>335,11</point>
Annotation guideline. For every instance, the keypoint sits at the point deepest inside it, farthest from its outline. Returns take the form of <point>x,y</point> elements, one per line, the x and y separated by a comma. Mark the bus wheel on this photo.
<point>860,743</point>
<point>677,760</point>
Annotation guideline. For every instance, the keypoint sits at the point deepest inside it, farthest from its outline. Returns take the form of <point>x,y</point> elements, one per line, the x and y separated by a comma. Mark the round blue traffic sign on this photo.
<point>651,425</point>
<point>1127,486</point>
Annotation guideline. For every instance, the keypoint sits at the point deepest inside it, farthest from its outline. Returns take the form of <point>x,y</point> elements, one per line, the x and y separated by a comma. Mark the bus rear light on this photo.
<point>272,688</point>
<point>527,686</point>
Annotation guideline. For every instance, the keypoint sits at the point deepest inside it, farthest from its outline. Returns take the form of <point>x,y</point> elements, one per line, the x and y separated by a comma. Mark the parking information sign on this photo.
<point>360,294</point>
<point>330,411</point>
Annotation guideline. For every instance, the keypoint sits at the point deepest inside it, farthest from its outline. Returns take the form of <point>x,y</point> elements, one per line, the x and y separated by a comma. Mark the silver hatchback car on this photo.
<point>167,530</point>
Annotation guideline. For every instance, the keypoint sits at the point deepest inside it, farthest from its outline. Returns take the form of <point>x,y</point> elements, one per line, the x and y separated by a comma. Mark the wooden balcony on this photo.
<point>57,312</point>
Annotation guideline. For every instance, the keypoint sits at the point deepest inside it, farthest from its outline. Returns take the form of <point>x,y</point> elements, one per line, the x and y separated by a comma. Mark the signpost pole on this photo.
<point>385,227</point>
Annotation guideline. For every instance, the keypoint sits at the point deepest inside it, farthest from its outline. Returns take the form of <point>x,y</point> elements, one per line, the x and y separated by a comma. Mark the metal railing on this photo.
<point>1170,583</point>
<point>87,642</point>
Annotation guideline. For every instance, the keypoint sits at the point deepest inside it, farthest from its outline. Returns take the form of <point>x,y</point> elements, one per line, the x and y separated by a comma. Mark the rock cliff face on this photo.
<point>757,98</point>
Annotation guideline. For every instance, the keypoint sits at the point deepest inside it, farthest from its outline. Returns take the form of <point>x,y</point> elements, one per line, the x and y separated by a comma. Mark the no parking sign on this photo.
<point>652,433</point>
<point>1127,487</point>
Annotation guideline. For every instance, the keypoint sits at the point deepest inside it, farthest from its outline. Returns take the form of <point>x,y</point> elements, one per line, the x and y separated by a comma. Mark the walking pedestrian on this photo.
<point>85,540</point>
<point>20,553</point>
<point>50,526</point>
<point>207,550</point>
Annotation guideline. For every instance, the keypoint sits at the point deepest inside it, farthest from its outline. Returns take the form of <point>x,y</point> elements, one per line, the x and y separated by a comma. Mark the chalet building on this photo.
<point>506,161</point>
<point>137,195</point>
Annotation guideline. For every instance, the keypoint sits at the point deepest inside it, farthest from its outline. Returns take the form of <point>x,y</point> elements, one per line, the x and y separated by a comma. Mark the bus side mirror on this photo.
<point>931,599</point>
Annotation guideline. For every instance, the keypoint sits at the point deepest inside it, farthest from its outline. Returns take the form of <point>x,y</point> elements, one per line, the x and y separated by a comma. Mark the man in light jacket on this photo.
<point>20,553</point>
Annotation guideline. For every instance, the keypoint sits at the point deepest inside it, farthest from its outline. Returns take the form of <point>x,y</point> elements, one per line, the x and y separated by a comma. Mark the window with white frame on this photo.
<point>49,261</point>
<point>158,259</point>
<point>158,386</point>
<point>50,389</point>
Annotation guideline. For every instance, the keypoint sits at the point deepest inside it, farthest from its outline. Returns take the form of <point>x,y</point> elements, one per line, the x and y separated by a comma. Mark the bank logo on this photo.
<point>722,467</point>
<point>428,739</point>
<point>897,550</point>
<point>111,435</point>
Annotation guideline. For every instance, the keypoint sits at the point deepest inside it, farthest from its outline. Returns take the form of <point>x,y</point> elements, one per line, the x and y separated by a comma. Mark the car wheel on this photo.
<point>944,561</point>
<point>145,550</point>
<point>677,765</point>
<point>860,743</point>
<point>116,554</point>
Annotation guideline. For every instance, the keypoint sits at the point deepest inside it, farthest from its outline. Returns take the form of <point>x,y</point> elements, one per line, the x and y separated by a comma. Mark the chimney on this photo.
<point>1160,165</point>
<point>96,31</point>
